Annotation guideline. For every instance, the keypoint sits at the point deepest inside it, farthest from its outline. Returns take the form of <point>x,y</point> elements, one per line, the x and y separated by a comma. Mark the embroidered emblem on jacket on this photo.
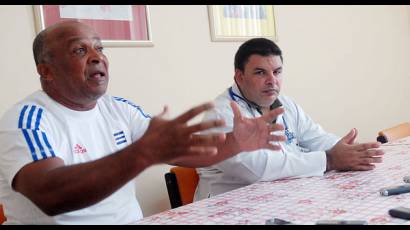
<point>119,138</point>
<point>289,136</point>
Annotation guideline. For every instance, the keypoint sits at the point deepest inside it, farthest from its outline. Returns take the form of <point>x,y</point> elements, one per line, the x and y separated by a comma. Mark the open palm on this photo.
<point>256,133</point>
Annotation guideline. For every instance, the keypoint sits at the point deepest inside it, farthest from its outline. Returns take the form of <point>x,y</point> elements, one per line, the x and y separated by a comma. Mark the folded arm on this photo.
<point>266,165</point>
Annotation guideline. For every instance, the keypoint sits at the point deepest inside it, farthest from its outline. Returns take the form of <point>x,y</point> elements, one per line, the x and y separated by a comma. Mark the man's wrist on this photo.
<point>143,156</point>
<point>232,146</point>
<point>329,161</point>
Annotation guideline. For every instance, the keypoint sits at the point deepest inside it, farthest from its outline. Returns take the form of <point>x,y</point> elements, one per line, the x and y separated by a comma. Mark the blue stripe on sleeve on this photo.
<point>133,105</point>
<point>40,146</point>
<point>47,144</point>
<point>30,116</point>
<point>142,112</point>
<point>120,142</point>
<point>35,129</point>
<point>23,111</point>
<point>120,132</point>
<point>38,118</point>
<point>120,137</point>
<point>30,144</point>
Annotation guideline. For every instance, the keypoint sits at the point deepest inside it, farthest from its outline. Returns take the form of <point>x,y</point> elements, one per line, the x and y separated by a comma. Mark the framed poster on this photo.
<point>241,22</point>
<point>118,25</point>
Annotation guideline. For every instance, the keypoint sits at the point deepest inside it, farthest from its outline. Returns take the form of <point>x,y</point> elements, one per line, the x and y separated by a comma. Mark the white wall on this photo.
<point>351,61</point>
<point>348,66</point>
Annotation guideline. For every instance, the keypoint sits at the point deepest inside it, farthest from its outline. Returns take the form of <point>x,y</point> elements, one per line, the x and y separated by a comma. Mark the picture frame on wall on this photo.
<point>241,22</point>
<point>118,25</point>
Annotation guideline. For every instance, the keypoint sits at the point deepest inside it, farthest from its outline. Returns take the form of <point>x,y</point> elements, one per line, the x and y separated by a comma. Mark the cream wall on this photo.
<point>348,66</point>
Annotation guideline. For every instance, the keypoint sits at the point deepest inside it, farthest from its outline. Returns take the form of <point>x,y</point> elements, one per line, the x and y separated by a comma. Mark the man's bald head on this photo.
<point>41,49</point>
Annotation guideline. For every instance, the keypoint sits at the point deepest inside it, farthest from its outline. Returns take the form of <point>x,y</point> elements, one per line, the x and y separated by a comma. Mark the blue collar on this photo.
<point>252,104</point>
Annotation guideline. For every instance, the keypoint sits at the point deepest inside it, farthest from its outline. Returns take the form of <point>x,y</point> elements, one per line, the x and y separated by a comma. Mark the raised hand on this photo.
<point>256,133</point>
<point>346,155</point>
<point>168,141</point>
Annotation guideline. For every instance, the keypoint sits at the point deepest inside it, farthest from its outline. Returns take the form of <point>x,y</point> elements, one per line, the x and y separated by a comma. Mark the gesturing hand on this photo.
<point>256,133</point>
<point>167,141</point>
<point>346,155</point>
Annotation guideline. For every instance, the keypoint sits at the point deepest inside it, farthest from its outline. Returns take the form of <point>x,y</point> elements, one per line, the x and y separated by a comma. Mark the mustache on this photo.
<point>271,89</point>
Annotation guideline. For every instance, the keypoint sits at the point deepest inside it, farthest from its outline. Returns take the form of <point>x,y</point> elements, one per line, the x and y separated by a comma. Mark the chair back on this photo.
<point>181,185</point>
<point>2,217</point>
<point>394,133</point>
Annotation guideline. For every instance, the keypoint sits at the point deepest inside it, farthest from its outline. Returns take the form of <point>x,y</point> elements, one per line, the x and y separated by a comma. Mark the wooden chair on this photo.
<point>2,217</point>
<point>181,185</point>
<point>394,133</point>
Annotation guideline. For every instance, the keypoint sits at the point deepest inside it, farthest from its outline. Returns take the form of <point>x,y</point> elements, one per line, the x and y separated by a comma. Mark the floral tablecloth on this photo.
<point>335,196</point>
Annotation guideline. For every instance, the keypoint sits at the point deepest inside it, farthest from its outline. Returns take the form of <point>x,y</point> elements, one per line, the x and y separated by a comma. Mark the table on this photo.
<point>351,195</point>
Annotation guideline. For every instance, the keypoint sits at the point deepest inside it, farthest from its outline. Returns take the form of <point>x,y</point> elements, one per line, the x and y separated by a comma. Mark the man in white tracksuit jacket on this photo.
<point>308,151</point>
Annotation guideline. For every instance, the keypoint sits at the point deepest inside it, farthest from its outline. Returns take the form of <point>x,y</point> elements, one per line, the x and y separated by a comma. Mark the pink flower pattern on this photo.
<point>336,195</point>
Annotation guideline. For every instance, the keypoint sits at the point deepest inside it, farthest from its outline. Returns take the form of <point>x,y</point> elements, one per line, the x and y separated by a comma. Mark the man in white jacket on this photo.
<point>308,151</point>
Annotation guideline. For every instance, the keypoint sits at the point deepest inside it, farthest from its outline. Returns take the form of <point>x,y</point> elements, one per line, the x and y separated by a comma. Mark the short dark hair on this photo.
<point>260,46</point>
<point>39,48</point>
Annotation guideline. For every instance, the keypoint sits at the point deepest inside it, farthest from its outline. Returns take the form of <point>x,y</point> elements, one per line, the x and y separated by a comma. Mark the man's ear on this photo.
<point>238,75</point>
<point>44,71</point>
